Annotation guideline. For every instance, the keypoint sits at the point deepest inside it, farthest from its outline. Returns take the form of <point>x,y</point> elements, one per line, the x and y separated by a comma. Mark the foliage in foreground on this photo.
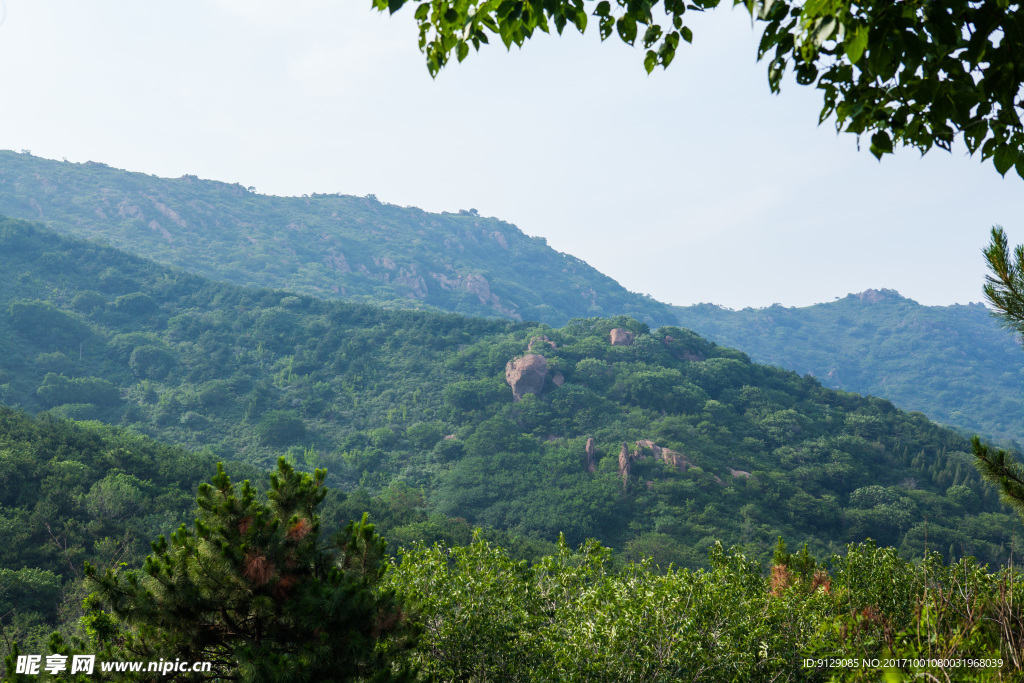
<point>571,617</point>
<point>906,73</point>
<point>255,590</point>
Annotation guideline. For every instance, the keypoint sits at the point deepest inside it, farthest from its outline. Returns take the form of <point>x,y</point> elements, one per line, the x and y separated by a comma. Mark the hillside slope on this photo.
<point>691,442</point>
<point>953,363</point>
<point>333,246</point>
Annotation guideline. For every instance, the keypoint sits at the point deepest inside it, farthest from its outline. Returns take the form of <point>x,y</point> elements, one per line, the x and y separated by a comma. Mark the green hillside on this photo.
<point>333,246</point>
<point>412,416</point>
<point>952,363</point>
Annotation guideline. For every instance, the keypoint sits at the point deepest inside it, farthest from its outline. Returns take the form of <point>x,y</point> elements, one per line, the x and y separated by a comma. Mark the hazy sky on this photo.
<point>694,184</point>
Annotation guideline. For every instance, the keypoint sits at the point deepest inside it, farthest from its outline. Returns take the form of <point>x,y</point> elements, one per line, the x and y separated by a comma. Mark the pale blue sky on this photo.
<point>691,185</point>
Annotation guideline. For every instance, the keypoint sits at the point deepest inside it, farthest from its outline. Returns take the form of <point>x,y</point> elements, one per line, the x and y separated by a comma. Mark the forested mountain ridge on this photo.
<point>953,363</point>
<point>333,246</point>
<point>413,415</point>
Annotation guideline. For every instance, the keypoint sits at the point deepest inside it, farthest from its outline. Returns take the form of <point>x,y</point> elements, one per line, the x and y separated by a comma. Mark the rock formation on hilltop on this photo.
<point>669,456</point>
<point>526,375</point>
<point>621,337</point>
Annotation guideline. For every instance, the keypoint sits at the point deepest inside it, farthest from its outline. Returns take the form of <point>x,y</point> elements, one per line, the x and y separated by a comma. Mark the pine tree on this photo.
<point>1000,468</point>
<point>254,590</point>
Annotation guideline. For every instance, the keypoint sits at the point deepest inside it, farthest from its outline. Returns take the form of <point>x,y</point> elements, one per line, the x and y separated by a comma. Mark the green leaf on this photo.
<point>422,12</point>
<point>626,26</point>
<point>856,43</point>
<point>651,35</point>
<point>395,5</point>
<point>1004,158</point>
<point>881,144</point>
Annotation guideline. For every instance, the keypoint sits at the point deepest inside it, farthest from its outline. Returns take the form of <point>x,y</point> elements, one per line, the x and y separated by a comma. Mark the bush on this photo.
<point>151,362</point>
<point>58,389</point>
<point>280,428</point>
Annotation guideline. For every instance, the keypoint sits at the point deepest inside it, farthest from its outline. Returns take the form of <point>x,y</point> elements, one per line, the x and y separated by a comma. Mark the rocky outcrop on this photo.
<point>621,337</point>
<point>591,460</point>
<point>526,375</point>
<point>169,213</point>
<point>624,465</point>
<point>558,380</point>
<point>669,456</point>
<point>335,260</point>
<point>414,281</point>
<point>873,296</point>
<point>478,285</point>
<point>156,227</point>
<point>542,339</point>
<point>739,473</point>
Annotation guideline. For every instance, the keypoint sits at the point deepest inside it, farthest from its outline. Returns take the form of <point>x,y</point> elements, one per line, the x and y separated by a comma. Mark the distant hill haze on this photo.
<point>333,246</point>
<point>951,362</point>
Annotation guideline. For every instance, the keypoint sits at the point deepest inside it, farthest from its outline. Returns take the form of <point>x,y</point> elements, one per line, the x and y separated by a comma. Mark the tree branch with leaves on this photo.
<point>919,73</point>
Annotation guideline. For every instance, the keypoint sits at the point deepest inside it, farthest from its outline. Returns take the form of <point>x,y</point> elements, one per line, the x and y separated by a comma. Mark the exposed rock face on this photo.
<point>739,473</point>
<point>671,457</point>
<point>591,461</point>
<point>335,260</point>
<point>621,337</point>
<point>558,380</point>
<point>526,375</point>
<point>873,296</point>
<point>624,465</point>
<point>478,285</point>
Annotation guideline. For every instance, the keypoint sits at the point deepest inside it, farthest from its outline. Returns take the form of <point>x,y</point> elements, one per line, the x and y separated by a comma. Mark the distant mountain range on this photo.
<point>951,362</point>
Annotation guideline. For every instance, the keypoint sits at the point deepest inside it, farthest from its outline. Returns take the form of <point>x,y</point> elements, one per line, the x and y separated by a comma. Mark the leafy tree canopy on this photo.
<point>254,590</point>
<point>918,73</point>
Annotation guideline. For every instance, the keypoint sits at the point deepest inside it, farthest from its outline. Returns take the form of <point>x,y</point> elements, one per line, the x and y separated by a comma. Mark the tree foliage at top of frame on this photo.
<point>919,73</point>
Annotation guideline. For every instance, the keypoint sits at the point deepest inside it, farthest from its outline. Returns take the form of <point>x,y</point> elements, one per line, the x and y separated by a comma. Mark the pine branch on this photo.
<point>1001,469</point>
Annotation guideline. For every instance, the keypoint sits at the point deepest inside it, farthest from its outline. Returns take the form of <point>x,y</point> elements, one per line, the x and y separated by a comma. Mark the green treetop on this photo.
<point>255,590</point>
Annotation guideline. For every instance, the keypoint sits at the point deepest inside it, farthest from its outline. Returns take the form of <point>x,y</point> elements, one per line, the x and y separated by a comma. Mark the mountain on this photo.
<point>952,363</point>
<point>333,246</point>
<point>656,442</point>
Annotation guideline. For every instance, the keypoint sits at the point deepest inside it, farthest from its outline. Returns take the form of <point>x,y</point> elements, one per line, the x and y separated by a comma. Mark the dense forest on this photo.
<point>656,447</point>
<point>952,363</point>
